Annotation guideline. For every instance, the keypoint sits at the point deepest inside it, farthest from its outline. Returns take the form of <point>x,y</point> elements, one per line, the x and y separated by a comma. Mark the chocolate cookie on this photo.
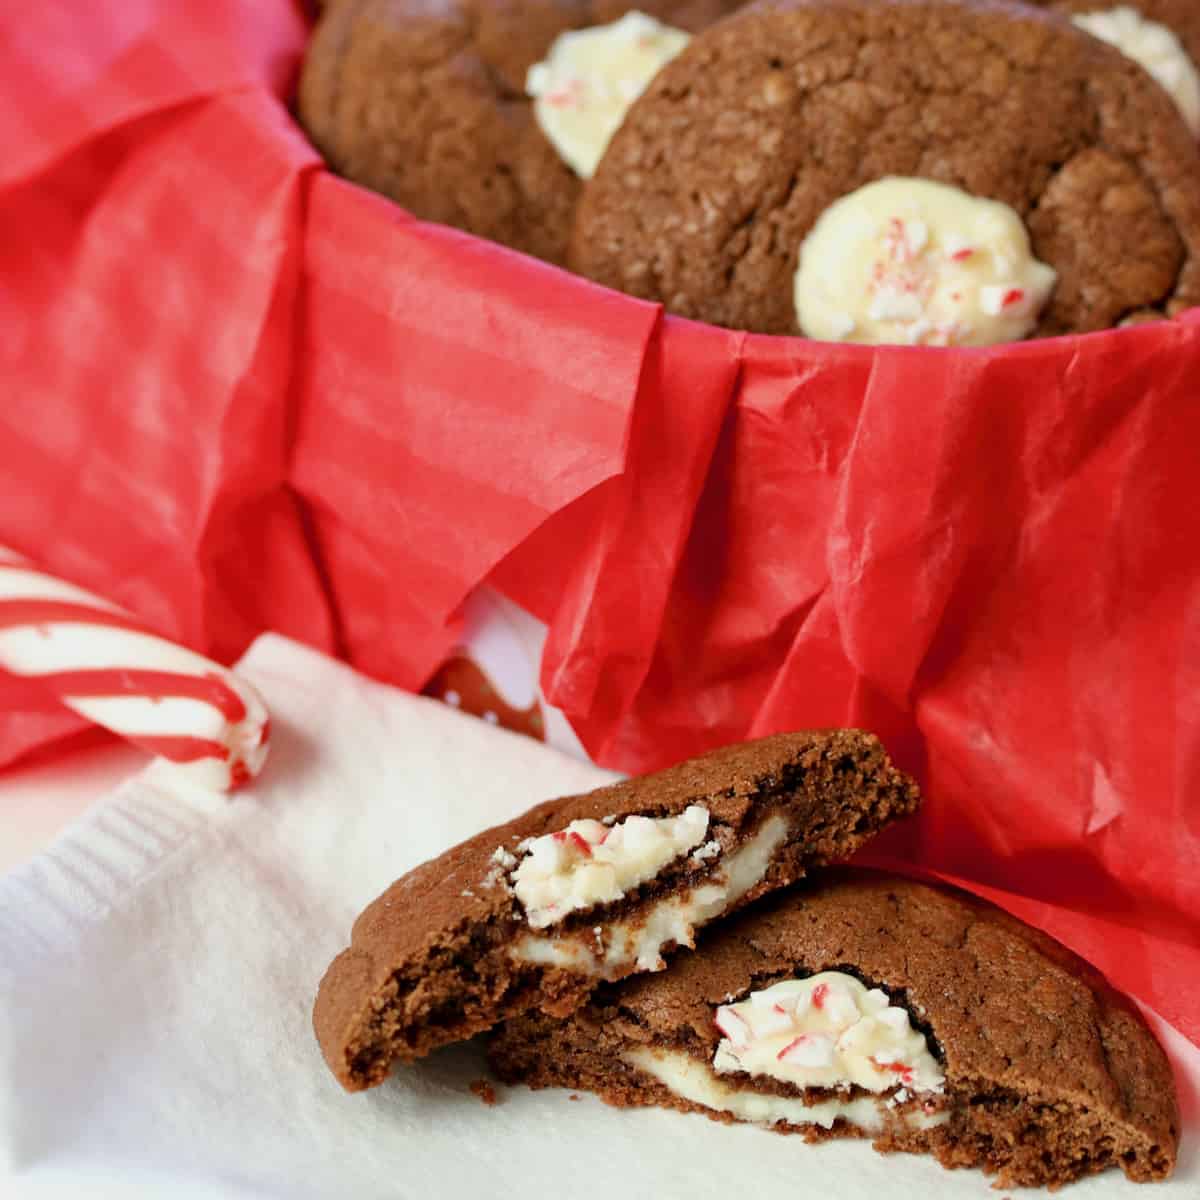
<point>865,1005</point>
<point>424,101</point>
<point>538,912</point>
<point>724,165</point>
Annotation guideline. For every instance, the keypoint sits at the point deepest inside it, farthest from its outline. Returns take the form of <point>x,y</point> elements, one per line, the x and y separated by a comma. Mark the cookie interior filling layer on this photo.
<point>827,1031</point>
<point>591,863</point>
<point>609,947</point>
<point>696,1082</point>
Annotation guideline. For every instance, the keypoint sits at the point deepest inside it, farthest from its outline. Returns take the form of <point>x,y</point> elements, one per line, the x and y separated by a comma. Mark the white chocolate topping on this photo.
<point>1154,47</point>
<point>590,863</point>
<point>621,944</point>
<point>825,1031</point>
<point>585,85</point>
<point>910,261</point>
<point>694,1081</point>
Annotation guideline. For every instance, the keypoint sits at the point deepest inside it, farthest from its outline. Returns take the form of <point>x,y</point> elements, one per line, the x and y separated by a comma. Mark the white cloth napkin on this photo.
<point>158,964</point>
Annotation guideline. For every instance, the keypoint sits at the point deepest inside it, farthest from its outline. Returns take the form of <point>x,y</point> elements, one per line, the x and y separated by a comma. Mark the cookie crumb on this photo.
<point>573,1096</point>
<point>484,1090</point>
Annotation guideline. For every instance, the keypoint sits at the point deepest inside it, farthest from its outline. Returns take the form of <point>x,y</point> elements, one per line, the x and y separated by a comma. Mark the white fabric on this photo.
<point>158,963</point>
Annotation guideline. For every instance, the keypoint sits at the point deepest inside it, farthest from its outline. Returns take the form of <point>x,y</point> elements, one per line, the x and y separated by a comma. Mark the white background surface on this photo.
<point>158,963</point>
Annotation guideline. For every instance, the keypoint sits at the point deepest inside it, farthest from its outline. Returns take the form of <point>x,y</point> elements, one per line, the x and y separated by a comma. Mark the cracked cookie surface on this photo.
<point>424,101</point>
<point>723,166</point>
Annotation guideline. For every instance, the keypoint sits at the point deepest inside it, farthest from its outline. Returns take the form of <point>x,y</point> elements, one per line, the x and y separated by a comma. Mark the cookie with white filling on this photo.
<point>592,888</point>
<point>708,194</point>
<point>866,1005</point>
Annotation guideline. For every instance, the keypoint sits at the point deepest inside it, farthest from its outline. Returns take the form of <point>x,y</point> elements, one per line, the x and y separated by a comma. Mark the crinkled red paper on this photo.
<point>241,394</point>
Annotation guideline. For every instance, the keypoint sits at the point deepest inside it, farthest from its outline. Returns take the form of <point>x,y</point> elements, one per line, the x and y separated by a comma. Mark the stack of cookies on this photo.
<point>927,172</point>
<point>679,940</point>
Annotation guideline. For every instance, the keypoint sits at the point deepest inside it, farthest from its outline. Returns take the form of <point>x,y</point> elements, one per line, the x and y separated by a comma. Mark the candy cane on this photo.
<point>101,662</point>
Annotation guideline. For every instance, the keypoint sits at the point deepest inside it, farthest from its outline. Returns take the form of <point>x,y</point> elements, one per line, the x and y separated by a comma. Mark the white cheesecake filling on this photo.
<point>696,1082</point>
<point>910,261</point>
<point>591,863</point>
<point>590,77</point>
<point>607,950</point>
<point>828,1030</point>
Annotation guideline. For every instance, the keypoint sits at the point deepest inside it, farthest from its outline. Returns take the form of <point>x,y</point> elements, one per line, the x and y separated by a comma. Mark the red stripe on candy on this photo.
<point>62,612</point>
<point>577,840</point>
<point>154,685</point>
<point>181,749</point>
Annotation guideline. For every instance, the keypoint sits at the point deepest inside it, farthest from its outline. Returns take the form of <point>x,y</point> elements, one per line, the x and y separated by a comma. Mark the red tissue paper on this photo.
<point>242,394</point>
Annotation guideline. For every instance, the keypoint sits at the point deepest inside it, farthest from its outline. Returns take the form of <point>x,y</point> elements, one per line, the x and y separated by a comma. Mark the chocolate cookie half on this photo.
<point>866,1005</point>
<point>538,912</point>
<point>425,101</point>
<point>725,165</point>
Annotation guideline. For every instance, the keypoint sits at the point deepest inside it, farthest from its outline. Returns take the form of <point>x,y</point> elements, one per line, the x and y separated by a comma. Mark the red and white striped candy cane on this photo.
<point>101,662</point>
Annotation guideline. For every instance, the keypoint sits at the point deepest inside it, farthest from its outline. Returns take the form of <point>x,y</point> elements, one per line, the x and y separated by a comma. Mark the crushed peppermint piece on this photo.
<point>998,298</point>
<point>889,304</point>
<point>916,236</point>
<point>896,1068</point>
<point>733,1026</point>
<point>571,93</point>
<point>808,1050</point>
